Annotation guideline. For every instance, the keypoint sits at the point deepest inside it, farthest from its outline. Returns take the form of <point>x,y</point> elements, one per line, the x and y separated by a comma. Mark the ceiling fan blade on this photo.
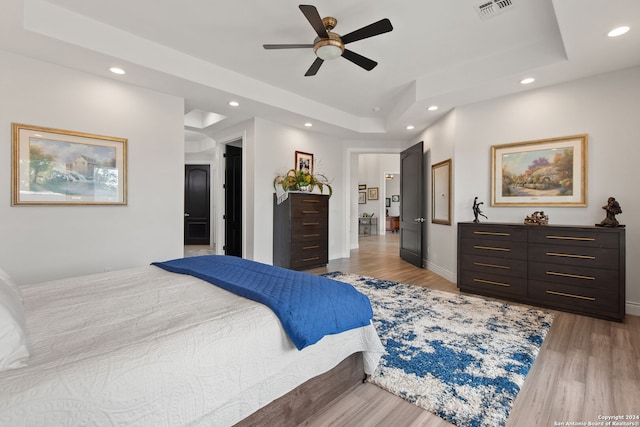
<point>311,13</point>
<point>359,60</point>
<point>286,46</point>
<point>314,67</point>
<point>380,27</point>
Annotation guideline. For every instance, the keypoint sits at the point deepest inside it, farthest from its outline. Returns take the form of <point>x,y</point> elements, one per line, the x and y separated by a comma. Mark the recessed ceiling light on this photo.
<point>234,103</point>
<point>527,81</point>
<point>433,108</point>
<point>618,31</point>
<point>117,70</point>
<point>410,127</point>
<point>308,124</point>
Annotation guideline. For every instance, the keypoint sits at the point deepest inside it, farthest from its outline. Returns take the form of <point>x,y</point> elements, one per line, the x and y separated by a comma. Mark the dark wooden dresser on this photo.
<point>571,268</point>
<point>392,223</point>
<point>301,231</point>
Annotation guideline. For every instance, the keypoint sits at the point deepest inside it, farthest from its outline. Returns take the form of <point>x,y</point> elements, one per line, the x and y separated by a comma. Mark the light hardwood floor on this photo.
<point>586,369</point>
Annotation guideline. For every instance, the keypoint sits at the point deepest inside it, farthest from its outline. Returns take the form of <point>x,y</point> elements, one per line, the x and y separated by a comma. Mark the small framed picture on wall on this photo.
<point>362,197</point>
<point>373,193</point>
<point>304,162</point>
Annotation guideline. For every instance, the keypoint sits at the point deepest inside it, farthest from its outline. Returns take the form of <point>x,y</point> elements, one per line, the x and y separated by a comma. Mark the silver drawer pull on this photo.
<point>583,239</point>
<point>489,282</point>
<point>570,255</point>
<point>562,294</point>
<point>491,233</point>
<point>482,264</point>
<point>491,248</point>
<point>575,276</point>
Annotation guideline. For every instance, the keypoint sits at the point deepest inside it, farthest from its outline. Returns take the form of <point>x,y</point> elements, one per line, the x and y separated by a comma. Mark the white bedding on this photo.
<point>147,347</point>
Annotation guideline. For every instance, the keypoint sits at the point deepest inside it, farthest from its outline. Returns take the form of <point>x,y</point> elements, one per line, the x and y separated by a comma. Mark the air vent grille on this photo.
<point>490,8</point>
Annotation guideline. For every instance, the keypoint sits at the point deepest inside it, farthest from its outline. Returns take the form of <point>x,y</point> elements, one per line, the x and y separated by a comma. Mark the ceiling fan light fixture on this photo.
<point>331,48</point>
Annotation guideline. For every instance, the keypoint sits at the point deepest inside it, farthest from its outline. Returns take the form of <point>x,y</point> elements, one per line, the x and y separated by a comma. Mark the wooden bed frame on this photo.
<point>309,398</point>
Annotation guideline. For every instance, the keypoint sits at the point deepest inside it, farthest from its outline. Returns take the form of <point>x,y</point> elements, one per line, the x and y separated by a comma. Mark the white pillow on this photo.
<point>4,277</point>
<point>13,332</point>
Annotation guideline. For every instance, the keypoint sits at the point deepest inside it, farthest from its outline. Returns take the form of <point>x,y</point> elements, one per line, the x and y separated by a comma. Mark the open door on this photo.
<point>412,204</point>
<point>233,201</point>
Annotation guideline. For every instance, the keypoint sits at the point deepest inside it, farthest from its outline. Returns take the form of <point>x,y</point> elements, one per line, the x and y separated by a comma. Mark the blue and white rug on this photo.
<point>462,358</point>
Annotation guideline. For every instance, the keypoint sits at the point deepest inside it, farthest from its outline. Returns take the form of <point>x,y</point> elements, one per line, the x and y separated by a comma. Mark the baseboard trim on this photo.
<point>443,272</point>
<point>633,308</point>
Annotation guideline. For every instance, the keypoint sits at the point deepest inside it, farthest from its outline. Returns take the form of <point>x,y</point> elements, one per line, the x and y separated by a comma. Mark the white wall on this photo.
<point>39,243</point>
<point>441,247</point>
<point>605,107</point>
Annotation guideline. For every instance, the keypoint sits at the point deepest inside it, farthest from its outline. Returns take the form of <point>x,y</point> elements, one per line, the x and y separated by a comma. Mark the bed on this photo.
<point>146,346</point>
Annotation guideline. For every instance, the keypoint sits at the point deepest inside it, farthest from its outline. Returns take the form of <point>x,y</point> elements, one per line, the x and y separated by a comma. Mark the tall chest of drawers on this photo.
<point>570,268</point>
<point>300,231</point>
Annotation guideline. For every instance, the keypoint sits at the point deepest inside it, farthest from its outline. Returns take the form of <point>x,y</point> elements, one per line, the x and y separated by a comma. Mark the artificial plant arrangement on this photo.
<point>302,180</point>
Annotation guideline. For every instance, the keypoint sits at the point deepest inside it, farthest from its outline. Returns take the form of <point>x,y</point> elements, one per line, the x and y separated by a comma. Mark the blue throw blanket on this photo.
<point>309,306</point>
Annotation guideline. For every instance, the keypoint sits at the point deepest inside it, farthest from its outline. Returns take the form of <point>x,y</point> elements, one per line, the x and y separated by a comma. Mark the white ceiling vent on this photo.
<point>490,8</point>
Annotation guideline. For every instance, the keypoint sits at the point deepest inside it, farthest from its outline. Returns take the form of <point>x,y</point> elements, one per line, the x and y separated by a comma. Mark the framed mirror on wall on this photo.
<point>441,193</point>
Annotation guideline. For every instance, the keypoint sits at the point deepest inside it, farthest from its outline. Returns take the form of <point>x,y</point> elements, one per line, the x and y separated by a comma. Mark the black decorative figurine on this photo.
<point>612,208</point>
<point>476,210</point>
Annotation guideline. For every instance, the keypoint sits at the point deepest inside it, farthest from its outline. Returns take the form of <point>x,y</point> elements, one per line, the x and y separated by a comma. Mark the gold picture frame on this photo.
<point>441,193</point>
<point>372,193</point>
<point>545,172</point>
<point>63,167</point>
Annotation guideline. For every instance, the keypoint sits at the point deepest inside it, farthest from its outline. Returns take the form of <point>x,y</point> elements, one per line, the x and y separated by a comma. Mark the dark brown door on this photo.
<point>233,201</point>
<point>412,204</point>
<point>197,205</point>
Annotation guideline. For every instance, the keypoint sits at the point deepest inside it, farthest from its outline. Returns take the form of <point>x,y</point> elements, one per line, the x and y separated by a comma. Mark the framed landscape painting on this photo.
<point>548,172</point>
<point>61,167</point>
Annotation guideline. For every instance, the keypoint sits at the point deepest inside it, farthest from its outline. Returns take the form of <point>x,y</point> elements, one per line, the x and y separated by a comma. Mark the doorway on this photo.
<point>197,207</point>
<point>233,200</point>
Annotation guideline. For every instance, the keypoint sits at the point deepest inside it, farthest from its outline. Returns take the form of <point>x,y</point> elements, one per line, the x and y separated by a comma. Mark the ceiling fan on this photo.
<point>329,45</point>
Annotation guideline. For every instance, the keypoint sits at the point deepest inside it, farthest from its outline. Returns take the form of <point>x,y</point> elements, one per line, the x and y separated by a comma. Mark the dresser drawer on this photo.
<point>494,248</point>
<point>574,275</point>
<point>495,265</point>
<point>496,284</point>
<point>307,255</point>
<point>492,232</point>
<point>573,298</point>
<point>583,256</point>
<point>308,229</point>
<point>595,237</point>
<point>309,207</point>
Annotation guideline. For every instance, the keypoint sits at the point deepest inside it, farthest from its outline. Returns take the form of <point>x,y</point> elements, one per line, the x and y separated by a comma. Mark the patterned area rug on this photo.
<point>462,358</point>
